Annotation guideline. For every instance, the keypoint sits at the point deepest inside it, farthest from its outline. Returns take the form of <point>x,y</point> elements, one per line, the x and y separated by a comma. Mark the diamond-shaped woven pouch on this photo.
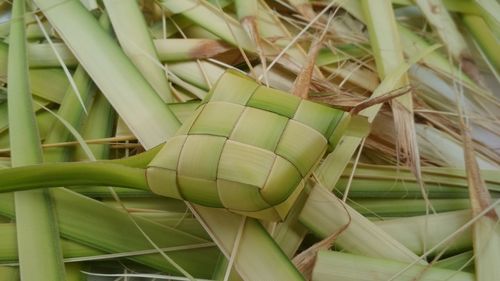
<point>246,148</point>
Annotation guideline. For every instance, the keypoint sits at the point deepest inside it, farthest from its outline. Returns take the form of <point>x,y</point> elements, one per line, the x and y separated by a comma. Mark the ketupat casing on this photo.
<point>247,148</point>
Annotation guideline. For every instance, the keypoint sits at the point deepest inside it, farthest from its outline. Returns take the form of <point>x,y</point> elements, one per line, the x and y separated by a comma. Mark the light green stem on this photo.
<point>70,174</point>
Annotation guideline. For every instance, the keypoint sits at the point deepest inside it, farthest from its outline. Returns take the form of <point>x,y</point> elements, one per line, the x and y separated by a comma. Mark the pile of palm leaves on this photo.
<point>249,140</point>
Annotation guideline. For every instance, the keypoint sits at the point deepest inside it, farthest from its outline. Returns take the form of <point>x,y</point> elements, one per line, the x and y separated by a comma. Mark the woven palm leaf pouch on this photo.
<point>248,149</point>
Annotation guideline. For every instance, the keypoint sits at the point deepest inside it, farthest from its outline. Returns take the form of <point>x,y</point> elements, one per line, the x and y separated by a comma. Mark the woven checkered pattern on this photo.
<point>248,149</point>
